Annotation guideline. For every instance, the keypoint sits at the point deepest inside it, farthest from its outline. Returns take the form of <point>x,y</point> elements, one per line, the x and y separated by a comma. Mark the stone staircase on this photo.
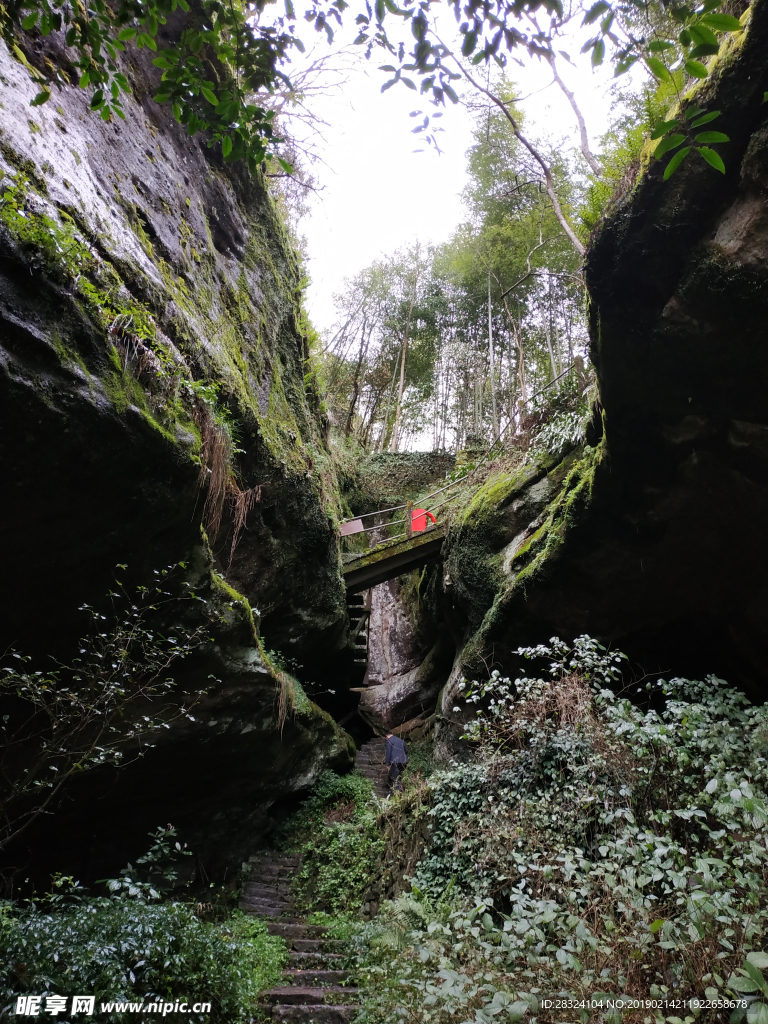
<point>370,763</point>
<point>314,988</point>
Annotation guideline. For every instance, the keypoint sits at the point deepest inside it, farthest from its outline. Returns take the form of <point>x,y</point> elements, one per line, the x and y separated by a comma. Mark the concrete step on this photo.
<point>312,1014</point>
<point>315,976</point>
<point>307,996</point>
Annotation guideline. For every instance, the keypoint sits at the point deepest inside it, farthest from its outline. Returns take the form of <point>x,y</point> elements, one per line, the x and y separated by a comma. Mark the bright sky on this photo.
<point>378,195</point>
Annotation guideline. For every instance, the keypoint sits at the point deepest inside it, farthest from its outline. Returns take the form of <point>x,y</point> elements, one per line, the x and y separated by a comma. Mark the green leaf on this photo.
<point>595,11</point>
<point>759,959</point>
<point>702,34</point>
<point>226,146</point>
<point>659,45</point>
<point>210,96</point>
<point>664,127</point>
<point>740,984</point>
<point>127,33</point>
<point>705,120</point>
<point>704,50</point>
<point>671,142</point>
<point>42,97</point>
<point>756,976</point>
<point>757,1013</point>
<point>30,21</point>
<point>85,80</point>
<point>711,137</point>
<point>598,53</point>
<point>675,162</point>
<point>469,43</point>
<point>722,23</point>
<point>657,925</point>
<point>97,99</point>
<point>657,69</point>
<point>695,69</point>
<point>712,158</point>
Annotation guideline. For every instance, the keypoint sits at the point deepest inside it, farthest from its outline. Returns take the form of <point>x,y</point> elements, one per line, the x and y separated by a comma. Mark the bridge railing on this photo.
<point>415,510</point>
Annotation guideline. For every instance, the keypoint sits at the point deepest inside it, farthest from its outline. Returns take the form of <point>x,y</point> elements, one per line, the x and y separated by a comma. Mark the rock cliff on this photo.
<point>655,537</point>
<point>157,405</point>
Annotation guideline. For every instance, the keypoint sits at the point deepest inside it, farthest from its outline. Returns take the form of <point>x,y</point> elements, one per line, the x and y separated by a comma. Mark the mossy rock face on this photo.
<point>149,298</point>
<point>657,540</point>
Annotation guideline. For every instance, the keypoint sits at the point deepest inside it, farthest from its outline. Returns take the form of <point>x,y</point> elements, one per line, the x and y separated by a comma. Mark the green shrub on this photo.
<point>130,948</point>
<point>336,832</point>
<point>600,847</point>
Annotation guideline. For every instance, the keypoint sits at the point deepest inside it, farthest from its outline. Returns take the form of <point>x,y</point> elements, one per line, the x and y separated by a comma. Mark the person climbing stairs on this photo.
<point>370,763</point>
<point>314,988</point>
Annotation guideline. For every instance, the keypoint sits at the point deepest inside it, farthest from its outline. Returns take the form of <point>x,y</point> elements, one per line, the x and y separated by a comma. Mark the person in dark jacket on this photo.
<point>395,758</point>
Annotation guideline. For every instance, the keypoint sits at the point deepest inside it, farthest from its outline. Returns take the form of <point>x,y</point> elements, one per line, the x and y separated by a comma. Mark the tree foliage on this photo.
<point>465,377</point>
<point>223,56</point>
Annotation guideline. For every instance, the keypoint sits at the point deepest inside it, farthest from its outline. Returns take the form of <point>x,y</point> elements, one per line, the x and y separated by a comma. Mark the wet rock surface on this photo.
<point>655,540</point>
<point>150,346</point>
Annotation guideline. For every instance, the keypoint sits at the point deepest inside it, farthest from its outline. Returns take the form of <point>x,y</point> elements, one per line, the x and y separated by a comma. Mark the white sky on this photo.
<point>378,195</point>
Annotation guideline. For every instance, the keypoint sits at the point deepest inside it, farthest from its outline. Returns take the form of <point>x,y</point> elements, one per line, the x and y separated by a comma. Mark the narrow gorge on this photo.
<point>183,508</point>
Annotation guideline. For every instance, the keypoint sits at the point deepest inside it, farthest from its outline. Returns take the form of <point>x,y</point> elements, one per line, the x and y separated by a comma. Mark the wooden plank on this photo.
<point>393,562</point>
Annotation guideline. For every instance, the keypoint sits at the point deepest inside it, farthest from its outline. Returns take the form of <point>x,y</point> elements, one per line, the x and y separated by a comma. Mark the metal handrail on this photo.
<point>453,483</point>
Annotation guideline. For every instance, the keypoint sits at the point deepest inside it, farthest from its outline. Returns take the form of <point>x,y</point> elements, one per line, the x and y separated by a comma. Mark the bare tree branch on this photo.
<point>546,170</point>
<point>589,156</point>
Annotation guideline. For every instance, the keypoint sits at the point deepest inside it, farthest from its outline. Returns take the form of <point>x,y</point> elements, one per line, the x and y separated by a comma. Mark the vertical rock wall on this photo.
<point>152,380</point>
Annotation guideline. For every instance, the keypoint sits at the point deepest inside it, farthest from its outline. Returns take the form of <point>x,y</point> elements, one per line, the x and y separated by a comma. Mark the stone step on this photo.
<point>315,945</point>
<point>267,889</point>
<point>280,860</point>
<point>306,960</point>
<point>312,1014</point>
<point>272,912</point>
<point>297,931</point>
<point>259,902</point>
<point>269,872</point>
<point>306,995</point>
<point>315,976</point>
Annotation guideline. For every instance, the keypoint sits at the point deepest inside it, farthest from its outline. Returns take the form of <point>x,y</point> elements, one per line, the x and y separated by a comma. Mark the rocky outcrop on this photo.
<point>408,659</point>
<point>657,535</point>
<point>152,380</point>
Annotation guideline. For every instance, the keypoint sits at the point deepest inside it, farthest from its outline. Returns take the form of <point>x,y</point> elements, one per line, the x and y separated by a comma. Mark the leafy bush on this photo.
<point>127,947</point>
<point>600,847</point>
<point>335,830</point>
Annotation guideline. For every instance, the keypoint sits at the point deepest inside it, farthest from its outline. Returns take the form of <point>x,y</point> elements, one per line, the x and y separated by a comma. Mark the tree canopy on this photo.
<point>224,57</point>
